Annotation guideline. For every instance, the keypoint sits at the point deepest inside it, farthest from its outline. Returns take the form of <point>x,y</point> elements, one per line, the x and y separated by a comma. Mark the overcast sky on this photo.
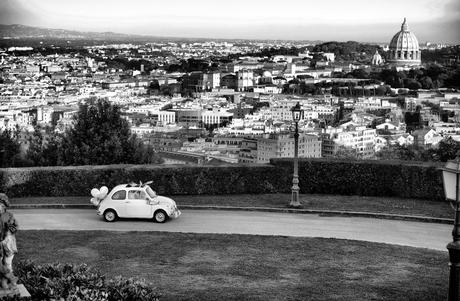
<point>341,20</point>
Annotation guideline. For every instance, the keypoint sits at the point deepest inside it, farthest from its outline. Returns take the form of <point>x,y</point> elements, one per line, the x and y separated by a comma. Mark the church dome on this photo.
<point>377,58</point>
<point>404,48</point>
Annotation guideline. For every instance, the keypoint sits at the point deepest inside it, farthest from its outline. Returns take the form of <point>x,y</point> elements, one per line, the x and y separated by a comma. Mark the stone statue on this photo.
<point>8,248</point>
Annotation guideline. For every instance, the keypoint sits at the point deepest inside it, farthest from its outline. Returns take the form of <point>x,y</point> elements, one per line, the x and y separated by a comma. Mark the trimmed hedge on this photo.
<point>78,181</point>
<point>370,178</point>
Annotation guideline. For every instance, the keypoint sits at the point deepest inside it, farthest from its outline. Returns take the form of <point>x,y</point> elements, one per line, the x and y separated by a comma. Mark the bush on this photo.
<point>367,177</point>
<point>79,282</point>
<point>328,176</point>
<point>176,180</point>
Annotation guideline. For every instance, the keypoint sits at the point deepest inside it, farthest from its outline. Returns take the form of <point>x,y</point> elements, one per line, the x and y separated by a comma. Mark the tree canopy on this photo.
<point>100,136</point>
<point>9,149</point>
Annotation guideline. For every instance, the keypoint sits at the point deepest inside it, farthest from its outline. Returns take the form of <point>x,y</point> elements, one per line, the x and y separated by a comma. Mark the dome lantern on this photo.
<point>404,26</point>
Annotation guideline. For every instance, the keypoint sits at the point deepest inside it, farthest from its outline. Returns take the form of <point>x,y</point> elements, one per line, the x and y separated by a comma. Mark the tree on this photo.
<point>348,153</point>
<point>427,82</point>
<point>447,150</point>
<point>402,152</point>
<point>9,149</point>
<point>35,152</point>
<point>100,136</point>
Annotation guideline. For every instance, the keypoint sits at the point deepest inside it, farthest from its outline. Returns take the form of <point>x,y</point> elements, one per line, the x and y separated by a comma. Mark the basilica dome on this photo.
<point>404,49</point>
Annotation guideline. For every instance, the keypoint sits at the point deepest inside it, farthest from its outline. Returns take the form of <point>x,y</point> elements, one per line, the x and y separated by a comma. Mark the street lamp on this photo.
<point>297,114</point>
<point>450,175</point>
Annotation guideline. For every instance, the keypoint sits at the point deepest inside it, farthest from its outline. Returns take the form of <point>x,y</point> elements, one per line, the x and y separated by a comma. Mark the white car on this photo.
<point>136,201</point>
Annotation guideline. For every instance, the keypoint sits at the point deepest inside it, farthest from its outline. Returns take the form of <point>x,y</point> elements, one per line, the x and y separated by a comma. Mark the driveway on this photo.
<point>407,233</point>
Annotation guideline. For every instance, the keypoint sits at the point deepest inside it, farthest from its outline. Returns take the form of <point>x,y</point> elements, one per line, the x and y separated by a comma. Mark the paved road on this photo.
<point>416,234</point>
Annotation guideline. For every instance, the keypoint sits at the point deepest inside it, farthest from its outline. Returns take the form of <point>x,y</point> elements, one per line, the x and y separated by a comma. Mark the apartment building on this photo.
<point>245,79</point>
<point>358,138</point>
<point>248,151</point>
<point>215,117</point>
<point>282,111</point>
<point>282,146</point>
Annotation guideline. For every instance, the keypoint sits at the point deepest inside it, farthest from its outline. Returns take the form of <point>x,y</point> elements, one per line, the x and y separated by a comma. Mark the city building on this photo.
<point>282,146</point>
<point>357,138</point>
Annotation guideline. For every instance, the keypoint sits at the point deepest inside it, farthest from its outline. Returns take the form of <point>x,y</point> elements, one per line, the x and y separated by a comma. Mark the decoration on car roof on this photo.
<point>132,184</point>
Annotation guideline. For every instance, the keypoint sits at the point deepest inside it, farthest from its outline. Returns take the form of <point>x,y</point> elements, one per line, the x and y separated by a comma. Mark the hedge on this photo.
<point>325,176</point>
<point>78,181</point>
<point>368,177</point>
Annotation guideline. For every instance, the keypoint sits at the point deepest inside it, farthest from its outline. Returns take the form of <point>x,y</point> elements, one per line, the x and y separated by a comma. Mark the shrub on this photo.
<point>78,181</point>
<point>328,176</point>
<point>79,282</point>
<point>367,177</point>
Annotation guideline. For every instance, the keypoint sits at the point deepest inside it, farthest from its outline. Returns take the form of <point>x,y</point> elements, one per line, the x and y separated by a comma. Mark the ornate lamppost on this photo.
<point>450,175</point>
<point>297,114</point>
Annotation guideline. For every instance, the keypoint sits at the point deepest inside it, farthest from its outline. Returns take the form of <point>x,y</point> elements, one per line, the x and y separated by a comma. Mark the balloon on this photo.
<point>94,192</point>
<point>103,192</point>
<point>95,201</point>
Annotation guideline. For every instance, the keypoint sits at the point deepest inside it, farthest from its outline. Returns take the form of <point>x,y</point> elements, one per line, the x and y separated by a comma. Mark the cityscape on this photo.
<point>230,101</point>
<point>229,118</point>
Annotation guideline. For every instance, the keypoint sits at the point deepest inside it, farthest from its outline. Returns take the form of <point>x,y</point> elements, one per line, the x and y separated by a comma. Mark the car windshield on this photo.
<point>150,192</point>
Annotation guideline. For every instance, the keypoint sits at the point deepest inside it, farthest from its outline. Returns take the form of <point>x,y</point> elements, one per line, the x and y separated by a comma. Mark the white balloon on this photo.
<point>94,201</point>
<point>95,192</point>
<point>103,192</point>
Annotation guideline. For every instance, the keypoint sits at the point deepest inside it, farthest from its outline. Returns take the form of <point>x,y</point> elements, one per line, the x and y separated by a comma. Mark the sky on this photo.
<point>339,20</point>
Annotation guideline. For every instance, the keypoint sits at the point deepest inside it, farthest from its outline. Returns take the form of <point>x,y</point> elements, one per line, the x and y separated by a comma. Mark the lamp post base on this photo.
<point>454,278</point>
<point>295,203</point>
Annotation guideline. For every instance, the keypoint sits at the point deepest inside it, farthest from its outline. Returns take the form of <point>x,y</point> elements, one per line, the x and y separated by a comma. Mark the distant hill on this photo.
<point>17,31</point>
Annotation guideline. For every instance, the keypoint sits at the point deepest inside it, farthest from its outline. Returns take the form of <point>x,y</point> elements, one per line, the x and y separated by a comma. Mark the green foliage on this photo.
<point>9,149</point>
<point>403,152</point>
<point>447,149</point>
<point>346,153</point>
<point>36,143</point>
<point>349,51</point>
<point>329,176</point>
<point>100,136</point>
<point>441,55</point>
<point>79,282</point>
<point>430,77</point>
<point>78,181</point>
<point>367,177</point>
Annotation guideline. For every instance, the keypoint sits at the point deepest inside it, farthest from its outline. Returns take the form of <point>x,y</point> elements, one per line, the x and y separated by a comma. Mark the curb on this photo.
<point>324,213</point>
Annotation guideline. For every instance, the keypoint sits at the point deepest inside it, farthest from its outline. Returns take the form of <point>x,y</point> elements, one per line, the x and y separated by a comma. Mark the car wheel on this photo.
<point>110,216</point>
<point>160,216</point>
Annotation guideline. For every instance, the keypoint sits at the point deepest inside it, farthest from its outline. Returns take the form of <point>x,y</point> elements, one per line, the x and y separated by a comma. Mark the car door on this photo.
<point>137,205</point>
<point>117,202</point>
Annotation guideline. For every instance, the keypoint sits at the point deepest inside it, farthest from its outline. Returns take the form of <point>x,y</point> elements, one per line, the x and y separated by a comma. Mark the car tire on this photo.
<point>160,216</point>
<point>110,216</point>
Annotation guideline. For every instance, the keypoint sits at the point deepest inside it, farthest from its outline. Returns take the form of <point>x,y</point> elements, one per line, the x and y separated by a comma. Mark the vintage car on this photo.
<point>133,201</point>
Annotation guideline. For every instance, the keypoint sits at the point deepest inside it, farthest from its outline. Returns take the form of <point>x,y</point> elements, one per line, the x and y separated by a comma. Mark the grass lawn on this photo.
<point>309,201</point>
<point>248,267</point>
